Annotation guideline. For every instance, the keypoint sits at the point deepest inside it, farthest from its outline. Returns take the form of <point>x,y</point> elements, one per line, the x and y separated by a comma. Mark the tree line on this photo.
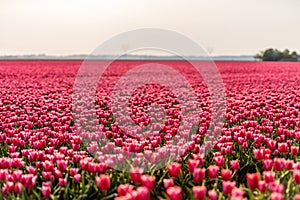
<point>277,55</point>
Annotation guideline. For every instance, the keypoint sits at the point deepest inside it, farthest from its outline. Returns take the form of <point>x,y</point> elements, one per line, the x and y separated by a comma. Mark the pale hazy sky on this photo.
<point>224,27</point>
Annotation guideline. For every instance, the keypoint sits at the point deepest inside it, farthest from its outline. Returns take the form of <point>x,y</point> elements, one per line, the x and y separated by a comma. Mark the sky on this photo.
<point>222,27</point>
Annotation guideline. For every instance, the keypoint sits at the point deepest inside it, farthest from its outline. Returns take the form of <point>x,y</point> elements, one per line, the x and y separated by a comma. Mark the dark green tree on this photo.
<point>276,55</point>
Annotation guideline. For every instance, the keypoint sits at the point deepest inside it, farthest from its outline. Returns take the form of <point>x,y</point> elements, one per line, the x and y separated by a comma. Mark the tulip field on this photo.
<point>256,154</point>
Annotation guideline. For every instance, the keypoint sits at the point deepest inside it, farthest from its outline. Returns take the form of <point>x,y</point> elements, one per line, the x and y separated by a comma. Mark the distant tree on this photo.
<point>276,55</point>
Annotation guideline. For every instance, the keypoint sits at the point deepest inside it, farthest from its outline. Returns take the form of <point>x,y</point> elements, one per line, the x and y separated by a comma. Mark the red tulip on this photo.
<point>103,182</point>
<point>199,192</point>
<point>62,182</point>
<point>3,174</point>
<point>226,174</point>
<point>46,191</point>
<point>219,160</point>
<point>268,176</point>
<point>294,150</point>
<point>47,175</point>
<point>124,189</point>
<point>297,197</point>
<point>258,154</point>
<point>213,171</point>
<point>193,164</point>
<point>296,176</point>
<point>31,170</point>
<point>174,169</point>
<point>262,186</point>
<point>237,193</point>
<point>268,164</point>
<point>235,164</point>
<point>276,196</point>
<point>77,178</point>
<point>148,181</point>
<point>253,180</point>
<point>279,164</point>
<point>289,164</point>
<point>174,193</point>
<point>283,147</point>
<point>136,175</point>
<point>73,171</point>
<point>18,187</point>
<point>199,175</point>
<point>48,166</point>
<point>228,186</point>
<point>168,183</point>
<point>276,187</point>
<point>62,165</point>
<point>212,194</point>
<point>143,193</point>
<point>17,175</point>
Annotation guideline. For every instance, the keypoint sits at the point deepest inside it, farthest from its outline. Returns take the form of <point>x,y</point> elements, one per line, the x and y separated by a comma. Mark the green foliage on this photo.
<point>276,55</point>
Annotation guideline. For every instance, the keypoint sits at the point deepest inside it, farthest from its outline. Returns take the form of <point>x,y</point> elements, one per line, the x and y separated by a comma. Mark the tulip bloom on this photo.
<point>148,181</point>
<point>46,191</point>
<point>294,150</point>
<point>279,164</point>
<point>174,169</point>
<point>269,176</point>
<point>212,194</point>
<point>168,183</point>
<point>143,193</point>
<point>174,193</point>
<point>262,186</point>
<point>252,180</point>
<point>296,176</point>
<point>124,189</point>
<point>62,165</point>
<point>228,186</point>
<point>62,182</point>
<point>103,182</point>
<point>199,175</point>
<point>136,175</point>
<point>193,164</point>
<point>212,171</point>
<point>226,174</point>
<point>77,178</point>
<point>18,187</point>
<point>199,192</point>
<point>268,164</point>
<point>219,160</point>
<point>235,164</point>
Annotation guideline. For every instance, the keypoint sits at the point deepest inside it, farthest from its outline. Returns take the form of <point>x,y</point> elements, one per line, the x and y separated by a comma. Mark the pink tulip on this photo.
<point>228,186</point>
<point>174,193</point>
<point>46,191</point>
<point>193,164</point>
<point>252,180</point>
<point>199,192</point>
<point>199,175</point>
<point>226,174</point>
<point>235,164</point>
<point>62,182</point>
<point>174,169</point>
<point>136,175</point>
<point>62,165</point>
<point>124,189</point>
<point>103,182</point>
<point>212,195</point>
<point>168,183</point>
<point>18,187</point>
<point>77,178</point>
<point>213,171</point>
<point>148,181</point>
